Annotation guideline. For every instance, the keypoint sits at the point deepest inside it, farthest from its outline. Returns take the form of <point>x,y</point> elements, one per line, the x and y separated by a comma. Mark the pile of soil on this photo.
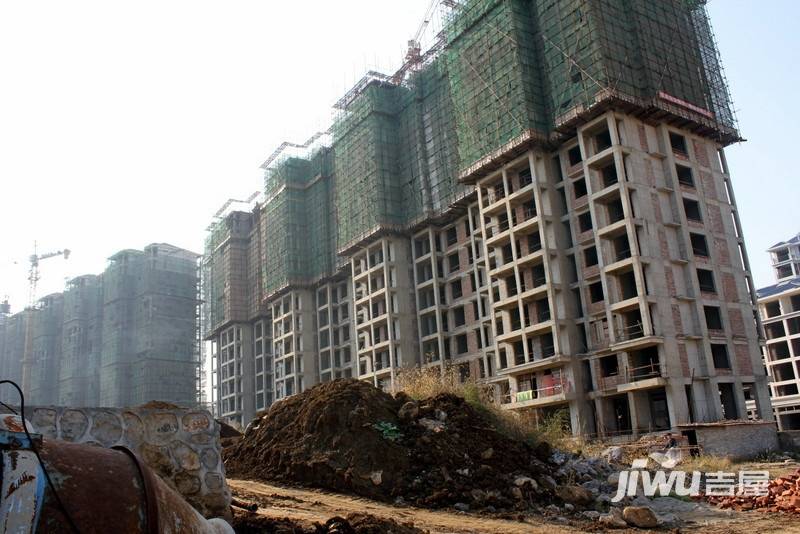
<point>349,436</point>
<point>251,523</point>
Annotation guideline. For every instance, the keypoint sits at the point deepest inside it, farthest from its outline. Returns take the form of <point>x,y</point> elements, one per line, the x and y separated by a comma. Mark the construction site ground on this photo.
<point>306,506</point>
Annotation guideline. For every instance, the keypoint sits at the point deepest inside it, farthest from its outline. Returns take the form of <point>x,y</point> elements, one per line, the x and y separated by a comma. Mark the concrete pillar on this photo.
<point>633,409</point>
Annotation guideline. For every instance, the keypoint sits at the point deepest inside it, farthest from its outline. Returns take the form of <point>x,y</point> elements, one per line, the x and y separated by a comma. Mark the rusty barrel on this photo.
<point>111,490</point>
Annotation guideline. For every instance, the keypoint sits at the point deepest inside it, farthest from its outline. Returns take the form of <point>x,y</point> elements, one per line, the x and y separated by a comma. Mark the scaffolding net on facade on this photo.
<point>500,71</point>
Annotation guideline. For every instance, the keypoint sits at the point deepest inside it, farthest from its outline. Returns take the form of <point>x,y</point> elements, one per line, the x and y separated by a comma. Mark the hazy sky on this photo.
<point>126,123</point>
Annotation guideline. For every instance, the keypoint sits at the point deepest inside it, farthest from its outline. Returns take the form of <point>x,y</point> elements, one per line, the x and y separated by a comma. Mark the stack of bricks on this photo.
<point>783,495</point>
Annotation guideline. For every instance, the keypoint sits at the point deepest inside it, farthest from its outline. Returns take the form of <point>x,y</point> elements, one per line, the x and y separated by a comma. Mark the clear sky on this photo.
<point>123,124</point>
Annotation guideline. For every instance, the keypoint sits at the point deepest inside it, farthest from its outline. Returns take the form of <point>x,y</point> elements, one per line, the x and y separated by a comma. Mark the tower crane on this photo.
<point>33,279</point>
<point>33,274</point>
<point>415,54</point>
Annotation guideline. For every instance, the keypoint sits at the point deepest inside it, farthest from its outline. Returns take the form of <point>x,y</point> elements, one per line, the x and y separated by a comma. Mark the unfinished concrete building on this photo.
<point>235,318</point>
<point>779,306</point>
<point>12,347</point>
<point>150,337</point>
<point>126,337</point>
<point>81,349</point>
<point>44,364</point>
<point>545,207</point>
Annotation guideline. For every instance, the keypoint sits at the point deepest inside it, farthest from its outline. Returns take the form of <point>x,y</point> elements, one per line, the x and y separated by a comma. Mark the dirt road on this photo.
<point>308,505</point>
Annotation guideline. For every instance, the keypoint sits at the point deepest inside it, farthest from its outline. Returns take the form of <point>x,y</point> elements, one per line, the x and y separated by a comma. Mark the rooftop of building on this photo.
<point>780,287</point>
<point>783,244</point>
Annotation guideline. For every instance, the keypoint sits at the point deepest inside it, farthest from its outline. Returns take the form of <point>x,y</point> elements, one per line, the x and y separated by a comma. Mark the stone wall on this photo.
<point>180,444</point>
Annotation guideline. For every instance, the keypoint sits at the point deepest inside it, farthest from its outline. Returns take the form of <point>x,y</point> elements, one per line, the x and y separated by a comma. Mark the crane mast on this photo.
<point>33,278</point>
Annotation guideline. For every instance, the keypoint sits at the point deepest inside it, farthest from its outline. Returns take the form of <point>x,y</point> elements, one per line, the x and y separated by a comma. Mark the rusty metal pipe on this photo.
<point>107,490</point>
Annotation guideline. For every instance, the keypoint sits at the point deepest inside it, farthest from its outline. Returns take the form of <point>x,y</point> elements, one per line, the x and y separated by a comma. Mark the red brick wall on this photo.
<point>700,153</point>
<point>729,288</point>
<point>684,357</point>
<point>723,255</point>
<point>737,324</point>
<point>715,218</point>
<point>676,318</point>
<point>707,182</point>
<point>643,138</point>
<point>744,364</point>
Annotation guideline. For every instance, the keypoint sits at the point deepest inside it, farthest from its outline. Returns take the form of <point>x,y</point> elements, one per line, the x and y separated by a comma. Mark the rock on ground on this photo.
<point>640,516</point>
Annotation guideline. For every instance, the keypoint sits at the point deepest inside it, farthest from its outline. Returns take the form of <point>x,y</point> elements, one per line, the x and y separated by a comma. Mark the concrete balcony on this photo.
<point>643,377</point>
<point>538,364</point>
<point>558,393</point>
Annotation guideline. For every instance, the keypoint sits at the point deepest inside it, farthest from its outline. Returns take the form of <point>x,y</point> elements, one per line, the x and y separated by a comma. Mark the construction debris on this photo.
<point>250,523</point>
<point>349,436</point>
<point>783,495</point>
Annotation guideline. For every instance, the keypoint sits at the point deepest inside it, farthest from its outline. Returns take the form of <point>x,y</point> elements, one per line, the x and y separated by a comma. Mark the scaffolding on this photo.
<point>500,75</point>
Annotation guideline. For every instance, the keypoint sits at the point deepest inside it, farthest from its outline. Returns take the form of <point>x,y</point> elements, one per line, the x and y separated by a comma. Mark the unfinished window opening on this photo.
<point>644,364</point>
<point>453,262</point>
<point>713,317</point>
<point>461,344</point>
<point>511,286</point>
<point>609,175</point>
<point>793,325</point>
<point>775,330</point>
<point>773,309</point>
<point>622,247</point>
<point>456,290</point>
<point>727,398</point>
<point>678,143</point>
<point>596,292</point>
<point>534,242</point>
<point>585,221</point>
<point>615,211</point>
<point>602,140</point>
<point>627,285</point>
<point>719,353</point>
<point>684,175</point>
<point>609,366</point>
<point>542,310</point>
<point>574,155</point>
<point>579,187</point>
<point>538,275</point>
<point>783,372</point>
<point>452,236</point>
<point>525,178</point>
<point>692,209</point>
<point>590,256</point>
<point>705,278</point>
<point>785,271</point>
<point>778,351</point>
<point>699,245</point>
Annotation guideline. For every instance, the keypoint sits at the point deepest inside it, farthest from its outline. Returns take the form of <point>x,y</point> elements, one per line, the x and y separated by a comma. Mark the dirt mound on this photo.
<point>349,436</point>
<point>251,523</point>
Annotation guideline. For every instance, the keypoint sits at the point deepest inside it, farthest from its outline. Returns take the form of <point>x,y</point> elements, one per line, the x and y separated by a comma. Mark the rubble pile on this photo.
<point>349,436</point>
<point>783,495</point>
<point>251,523</point>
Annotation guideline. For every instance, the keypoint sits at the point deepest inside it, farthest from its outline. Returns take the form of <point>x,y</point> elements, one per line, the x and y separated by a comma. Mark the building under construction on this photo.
<point>122,338</point>
<point>779,306</point>
<point>539,198</point>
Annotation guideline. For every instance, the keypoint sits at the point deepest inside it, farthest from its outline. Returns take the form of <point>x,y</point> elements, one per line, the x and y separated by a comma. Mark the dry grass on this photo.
<point>705,463</point>
<point>431,381</point>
